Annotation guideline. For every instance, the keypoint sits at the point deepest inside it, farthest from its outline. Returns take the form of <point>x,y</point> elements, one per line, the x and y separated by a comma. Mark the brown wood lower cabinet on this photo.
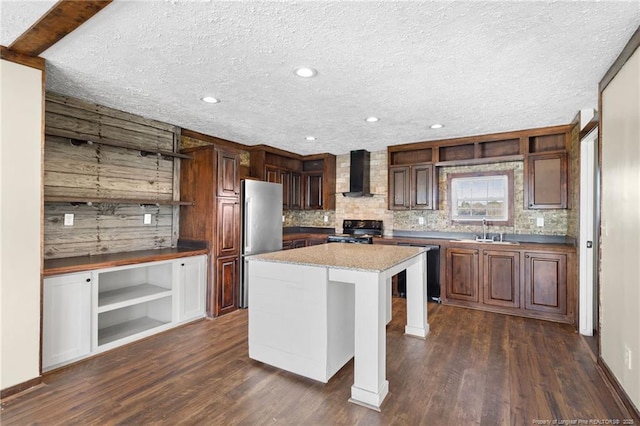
<point>227,273</point>
<point>546,282</point>
<point>501,278</point>
<point>523,282</point>
<point>462,274</point>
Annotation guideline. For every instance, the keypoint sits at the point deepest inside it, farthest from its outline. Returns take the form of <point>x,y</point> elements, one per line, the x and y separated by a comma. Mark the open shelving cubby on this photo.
<point>133,300</point>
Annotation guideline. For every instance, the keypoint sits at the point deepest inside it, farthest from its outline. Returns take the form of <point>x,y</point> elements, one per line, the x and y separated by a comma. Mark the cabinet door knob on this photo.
<point>527,256</point>
<point>88,280</point>
<point>182,264</point>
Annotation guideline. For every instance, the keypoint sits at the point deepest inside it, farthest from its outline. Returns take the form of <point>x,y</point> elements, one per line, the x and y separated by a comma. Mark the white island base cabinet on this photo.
<point>314,308</point>
<point>91,312</point>
<point>313,337</point>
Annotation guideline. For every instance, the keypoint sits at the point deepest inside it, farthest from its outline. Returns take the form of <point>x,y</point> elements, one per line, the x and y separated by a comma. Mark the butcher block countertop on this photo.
<point>86,263</point>
<point>361,257</point>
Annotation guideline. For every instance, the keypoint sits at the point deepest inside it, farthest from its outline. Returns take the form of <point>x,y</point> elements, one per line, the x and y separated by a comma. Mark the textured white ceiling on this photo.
<point>476,67</point>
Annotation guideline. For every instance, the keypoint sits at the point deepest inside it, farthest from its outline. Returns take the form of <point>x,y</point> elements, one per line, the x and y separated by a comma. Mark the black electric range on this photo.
<point>357,231</point>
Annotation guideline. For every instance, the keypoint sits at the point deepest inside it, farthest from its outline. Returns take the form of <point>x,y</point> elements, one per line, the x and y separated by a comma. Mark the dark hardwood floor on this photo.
<point>474,368</point>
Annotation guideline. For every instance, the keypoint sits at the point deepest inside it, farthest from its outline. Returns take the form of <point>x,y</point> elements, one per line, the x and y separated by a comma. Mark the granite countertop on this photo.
<point>361,257</point>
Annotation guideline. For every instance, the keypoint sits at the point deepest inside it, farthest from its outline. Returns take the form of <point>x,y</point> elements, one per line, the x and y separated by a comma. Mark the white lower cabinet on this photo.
<point>95,311</point>
<point>191,288</point>
<point>66,316</point>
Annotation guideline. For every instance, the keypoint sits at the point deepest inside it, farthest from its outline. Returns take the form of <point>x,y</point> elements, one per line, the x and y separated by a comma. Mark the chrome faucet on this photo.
<point>484,232</point>
<point>484,228</point>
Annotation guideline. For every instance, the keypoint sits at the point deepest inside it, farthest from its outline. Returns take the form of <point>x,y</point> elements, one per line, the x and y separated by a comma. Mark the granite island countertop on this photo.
<point>361,257</point>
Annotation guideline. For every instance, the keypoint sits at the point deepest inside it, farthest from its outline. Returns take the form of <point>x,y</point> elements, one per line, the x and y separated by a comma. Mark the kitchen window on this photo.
<point>481,195</point>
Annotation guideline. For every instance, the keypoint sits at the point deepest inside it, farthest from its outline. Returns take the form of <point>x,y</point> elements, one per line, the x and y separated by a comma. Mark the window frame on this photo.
<point>509,197</point>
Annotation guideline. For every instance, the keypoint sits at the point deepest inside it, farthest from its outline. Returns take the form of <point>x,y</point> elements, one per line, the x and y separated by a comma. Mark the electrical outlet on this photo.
<point>147,219</point>
<point>326,219</point>
<point>627,357</point>
<point>68,219</point>
<point>282,218</point>
<point>420,220</point>
<point>540,221</point>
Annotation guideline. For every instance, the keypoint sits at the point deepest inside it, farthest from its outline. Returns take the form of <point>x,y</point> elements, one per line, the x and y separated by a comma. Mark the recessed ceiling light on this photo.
<point>437,126</point>
<point>310,138</point>
<point>306,72</point>
<point>371,119</point>
<point>210,100</point>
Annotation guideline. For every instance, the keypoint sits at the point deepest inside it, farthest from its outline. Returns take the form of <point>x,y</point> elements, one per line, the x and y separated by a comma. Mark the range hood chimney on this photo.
<point>359,175</point>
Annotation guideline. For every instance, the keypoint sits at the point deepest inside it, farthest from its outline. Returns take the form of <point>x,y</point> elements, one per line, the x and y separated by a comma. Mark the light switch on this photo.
<point>68,219</point>
<point>420,220</point>
<point>282,218</point>
<point>147,219</point>
<point>540,221</point>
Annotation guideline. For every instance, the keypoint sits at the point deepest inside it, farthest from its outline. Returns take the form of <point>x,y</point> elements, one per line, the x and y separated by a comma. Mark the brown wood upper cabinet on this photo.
<point>546,185</point>
<point>283,177</point>
<point>308,182</point>
<point>412,187</point>
<point>228,174</point>
<point>545,153</point>
<point>314,190</point>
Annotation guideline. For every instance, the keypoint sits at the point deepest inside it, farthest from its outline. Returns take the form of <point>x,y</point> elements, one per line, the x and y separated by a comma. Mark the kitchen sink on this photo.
<point>487,242</point>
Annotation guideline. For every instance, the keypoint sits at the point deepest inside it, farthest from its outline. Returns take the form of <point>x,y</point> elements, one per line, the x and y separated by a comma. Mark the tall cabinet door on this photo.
<point>422,187</point>
<point>462,274</point>
<point>228,227</point>
<point>228,178</point>
<point>314,191</point>
<point>66,319</point>
<point>285,179</point>
<point>399,198</point>
<point>227,275</point>
<point>296,191</point>
<point>501,270</point>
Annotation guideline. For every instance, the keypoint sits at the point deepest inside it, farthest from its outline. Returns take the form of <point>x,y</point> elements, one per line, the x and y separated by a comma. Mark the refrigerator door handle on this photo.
<point>247,225</point>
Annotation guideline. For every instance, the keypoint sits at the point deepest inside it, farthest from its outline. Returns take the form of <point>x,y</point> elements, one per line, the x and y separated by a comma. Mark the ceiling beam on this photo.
<point>64,17</point>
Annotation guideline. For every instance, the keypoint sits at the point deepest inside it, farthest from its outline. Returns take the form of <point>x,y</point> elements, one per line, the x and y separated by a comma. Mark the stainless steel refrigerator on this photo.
<point>261,225</point>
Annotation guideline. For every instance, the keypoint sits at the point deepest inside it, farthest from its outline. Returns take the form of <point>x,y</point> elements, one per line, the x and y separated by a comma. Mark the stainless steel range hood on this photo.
<point>359,175</point>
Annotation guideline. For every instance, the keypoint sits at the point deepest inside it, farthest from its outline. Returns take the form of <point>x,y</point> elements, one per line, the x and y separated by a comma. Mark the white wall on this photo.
<point>620,256</point>
<point>21,109</point>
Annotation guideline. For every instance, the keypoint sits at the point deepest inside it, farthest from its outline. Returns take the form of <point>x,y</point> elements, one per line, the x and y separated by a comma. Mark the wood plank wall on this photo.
<point>100,171</point>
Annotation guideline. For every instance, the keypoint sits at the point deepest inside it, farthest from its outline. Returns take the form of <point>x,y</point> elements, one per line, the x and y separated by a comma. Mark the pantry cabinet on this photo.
<point>210,181</point>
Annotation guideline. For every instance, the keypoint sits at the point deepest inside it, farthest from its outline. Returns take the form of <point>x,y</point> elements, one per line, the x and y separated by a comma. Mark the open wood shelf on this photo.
<point>98,200</point>
<point>79,139</point>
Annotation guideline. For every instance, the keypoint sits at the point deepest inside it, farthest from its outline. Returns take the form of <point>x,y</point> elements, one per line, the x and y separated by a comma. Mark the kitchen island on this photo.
<point>314,308</point>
